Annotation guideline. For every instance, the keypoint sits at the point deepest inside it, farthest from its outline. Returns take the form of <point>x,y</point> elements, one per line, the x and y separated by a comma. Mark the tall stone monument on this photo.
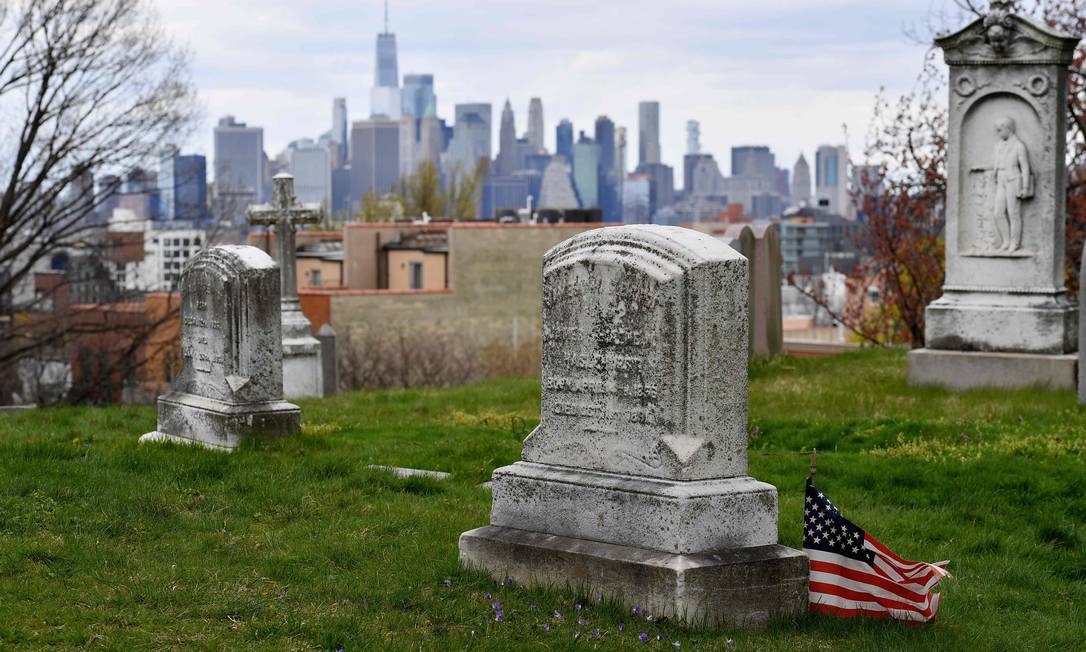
<point>302,371</point>
<point>1004,319</point>
<point>635,482</point>
<point>231,381</point>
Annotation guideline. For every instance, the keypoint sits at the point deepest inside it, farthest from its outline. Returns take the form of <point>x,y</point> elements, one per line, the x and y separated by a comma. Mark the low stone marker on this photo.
<point>635,482</point>
<point>231,381</point>
<point>326,335</point>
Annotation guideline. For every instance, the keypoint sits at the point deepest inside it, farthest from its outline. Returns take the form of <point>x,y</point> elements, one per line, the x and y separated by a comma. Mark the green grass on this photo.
<point>294,544</point>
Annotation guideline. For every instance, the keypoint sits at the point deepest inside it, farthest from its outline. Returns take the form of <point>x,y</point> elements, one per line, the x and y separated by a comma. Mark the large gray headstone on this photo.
<point>635,482</point>
<point>644,355</point>
<point>231,381</point>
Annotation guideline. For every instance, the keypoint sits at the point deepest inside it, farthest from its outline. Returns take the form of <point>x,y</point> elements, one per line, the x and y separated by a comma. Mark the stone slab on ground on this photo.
<point>963,370</point>
<point>745,587</point>
<point>409,473</point>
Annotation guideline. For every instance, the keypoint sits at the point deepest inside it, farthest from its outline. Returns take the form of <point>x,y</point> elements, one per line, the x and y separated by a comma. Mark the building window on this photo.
<point>315,278</point>
<point>416,276</point>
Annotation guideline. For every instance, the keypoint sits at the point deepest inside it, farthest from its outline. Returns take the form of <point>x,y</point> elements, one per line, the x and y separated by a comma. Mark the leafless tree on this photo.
<point>86,87</point>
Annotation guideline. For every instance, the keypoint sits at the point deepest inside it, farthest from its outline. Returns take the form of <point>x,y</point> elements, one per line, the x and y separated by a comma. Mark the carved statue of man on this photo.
<point>1013,184</point>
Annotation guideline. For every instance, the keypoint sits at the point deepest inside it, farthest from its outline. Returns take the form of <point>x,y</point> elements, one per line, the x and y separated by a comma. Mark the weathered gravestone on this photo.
<point>741,238</point>
<point>303,373</point>
<point>231,381</point>
<point>635,482</point>
<point>1004,319</point>
<point>326,335</point>
<point>767,323</point>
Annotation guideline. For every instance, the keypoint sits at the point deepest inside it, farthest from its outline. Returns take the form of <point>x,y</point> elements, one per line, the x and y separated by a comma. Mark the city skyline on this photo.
<point>723,83</point>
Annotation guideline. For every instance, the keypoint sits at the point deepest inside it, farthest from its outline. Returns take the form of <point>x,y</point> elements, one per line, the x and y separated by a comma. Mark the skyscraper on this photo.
<point>753,161</point>
<point>240,168</point>
<point>507,143</point>
<point>385,95</point>
<point>312,170</point>
<point>557,190</point>
<point>339,131</point>
<point>608,174</point>
<point>471,137</point>
<point>831,179</point>
<point>535,124</point>
<point>375,157</point>
<point>693,137</point>
<point>801,182</point>
<point>586,171</point>
<point>564,139</point>
<point>418,96</point>
<point>648,114</point>
<point>182,187</point>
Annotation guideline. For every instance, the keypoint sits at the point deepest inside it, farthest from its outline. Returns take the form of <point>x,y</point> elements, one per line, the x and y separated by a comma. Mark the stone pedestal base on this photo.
<point>666,515</point>
<point>747,587</point>
<point>303,374</point>
<point>960,371</point>
<point>1048,326</point>
<point>185,418</point>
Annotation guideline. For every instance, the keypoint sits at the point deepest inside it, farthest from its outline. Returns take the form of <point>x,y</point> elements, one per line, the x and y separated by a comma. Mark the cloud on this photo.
<point>786,73</point>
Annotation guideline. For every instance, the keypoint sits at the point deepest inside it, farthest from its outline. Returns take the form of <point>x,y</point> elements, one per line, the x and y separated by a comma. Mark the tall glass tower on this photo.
<point>385,95</point>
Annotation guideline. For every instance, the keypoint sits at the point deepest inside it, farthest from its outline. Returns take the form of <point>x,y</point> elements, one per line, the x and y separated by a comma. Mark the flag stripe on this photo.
<point>843,608</point>
<point>840,590</point>
<point>868,579</point>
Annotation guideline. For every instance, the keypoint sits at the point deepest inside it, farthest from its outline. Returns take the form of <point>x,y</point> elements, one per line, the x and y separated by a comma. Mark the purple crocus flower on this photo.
<point>546,627</point>
<point>622,627</point>
<point>659,637</point>
<point>532,606</point>
<point>731,642</point>
<point>577,607</point>
<point>595,632</point>
<point>637,610</point>
<point>499,616</point>
<point>580,621</point>
<point>497,605</point>
<point>448,582</point>
<point>488,597</point>
<point>644,637</point>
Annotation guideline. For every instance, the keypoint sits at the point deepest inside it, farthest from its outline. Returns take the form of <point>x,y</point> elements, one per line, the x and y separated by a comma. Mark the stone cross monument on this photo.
<point>635,483</point>
<point>231,381</point>
<point>1004,319</point>
<point>301,351</point>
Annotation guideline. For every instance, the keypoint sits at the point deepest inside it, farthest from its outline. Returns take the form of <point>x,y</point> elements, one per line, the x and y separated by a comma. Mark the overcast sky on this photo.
<point>785,73</point>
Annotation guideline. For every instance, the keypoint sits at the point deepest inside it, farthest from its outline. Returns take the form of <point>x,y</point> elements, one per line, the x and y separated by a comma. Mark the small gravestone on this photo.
<point>231,381</point>
<point>766,272</point>
<point>635,482</point>
<point>326,335</point>
<point>741,238</point>
<point>1004,318</point>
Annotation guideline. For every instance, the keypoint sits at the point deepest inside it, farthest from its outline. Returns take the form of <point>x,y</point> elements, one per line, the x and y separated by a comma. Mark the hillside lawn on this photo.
<point>295,545</point>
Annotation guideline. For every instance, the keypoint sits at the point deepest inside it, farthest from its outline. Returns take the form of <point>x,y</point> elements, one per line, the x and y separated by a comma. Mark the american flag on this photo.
<point>852,574</point>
